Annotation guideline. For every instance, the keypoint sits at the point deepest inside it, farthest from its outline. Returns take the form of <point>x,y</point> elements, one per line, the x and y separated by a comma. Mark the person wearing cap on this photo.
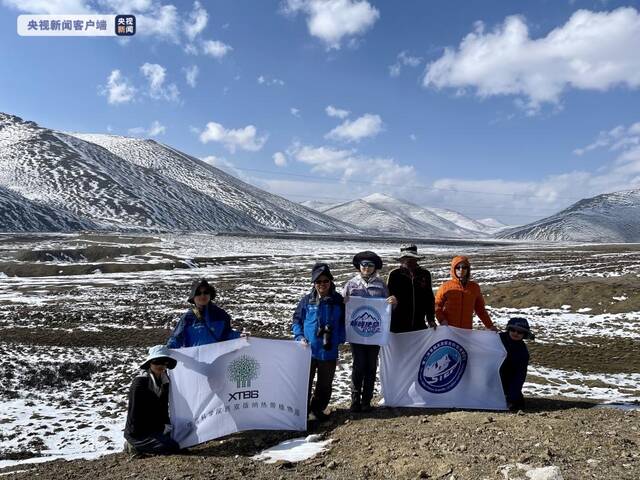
<point>458,298</point>
<point>204,322</point>
<point>318,322</point>
<point>148,427</point>
<point>367,283</point>
<point>410,285</point>
<point>514,368</point>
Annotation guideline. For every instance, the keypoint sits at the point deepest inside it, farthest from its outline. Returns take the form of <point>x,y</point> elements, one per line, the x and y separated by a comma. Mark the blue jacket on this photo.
<point>190,331</point>
<point>312,313</point>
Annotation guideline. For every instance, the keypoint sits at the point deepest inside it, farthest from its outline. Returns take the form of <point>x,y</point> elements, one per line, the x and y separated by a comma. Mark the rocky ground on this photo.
<point>67,323</point>
<point>578,440</point>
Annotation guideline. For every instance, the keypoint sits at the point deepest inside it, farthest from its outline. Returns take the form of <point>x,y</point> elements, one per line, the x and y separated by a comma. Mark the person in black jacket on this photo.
<point>148,427</point>
<point>514,368</point>
<point>410,284</point>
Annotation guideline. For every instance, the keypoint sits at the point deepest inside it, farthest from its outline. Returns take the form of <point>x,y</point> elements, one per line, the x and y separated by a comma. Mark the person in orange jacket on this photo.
<point>457,299</point>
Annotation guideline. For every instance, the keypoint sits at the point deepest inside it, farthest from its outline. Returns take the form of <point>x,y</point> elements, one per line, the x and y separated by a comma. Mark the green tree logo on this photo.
<point>242,370</point>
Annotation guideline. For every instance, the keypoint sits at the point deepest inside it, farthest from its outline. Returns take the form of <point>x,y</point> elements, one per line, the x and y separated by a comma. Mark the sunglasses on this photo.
<point>202,292</point>
<point>462,267</point>
<point>517,331</point>
<point>322,282</point>
<point>160,362</point>
<point>367,264</point>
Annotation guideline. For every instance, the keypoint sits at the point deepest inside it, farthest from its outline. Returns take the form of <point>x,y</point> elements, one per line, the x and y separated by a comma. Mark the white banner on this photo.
<point>368,320</point>
<point>446,368</point>
<point>242,384</point>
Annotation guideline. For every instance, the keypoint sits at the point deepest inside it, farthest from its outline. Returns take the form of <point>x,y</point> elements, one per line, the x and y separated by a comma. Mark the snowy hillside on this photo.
<point>610,217</point>
<point>385,214</point>
<point>140,185</point>
<point>269,211</point>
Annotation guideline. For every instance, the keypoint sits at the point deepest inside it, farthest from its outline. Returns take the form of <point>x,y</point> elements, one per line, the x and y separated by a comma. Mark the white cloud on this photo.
<point>295,112</point>
<point>348,163</point>
<point>365,126</point>
<point>336,112</point>
<point>591,51</point>
<point>118,89</point>
<point>191,75</point>
<point>223,164</point>
<point>244,138</point>
<point>215,48</point>
<point>333,20</point>
<point>618,138</point>
<point>413,137</point>
<point>156,74</point>
<point>403,60</point>
<point>154,130</point>
<point>197,21</point>
<point>270,81</point>
<point>160,23</point>
<point>279,159</point>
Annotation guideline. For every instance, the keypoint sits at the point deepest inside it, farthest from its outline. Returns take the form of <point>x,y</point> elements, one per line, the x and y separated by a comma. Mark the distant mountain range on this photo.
<point>55,181</point>
<point>384,214</point>
<point>610,217</point>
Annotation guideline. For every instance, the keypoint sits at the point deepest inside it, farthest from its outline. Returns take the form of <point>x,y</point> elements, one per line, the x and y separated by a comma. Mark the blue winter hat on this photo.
<point>521,325</point>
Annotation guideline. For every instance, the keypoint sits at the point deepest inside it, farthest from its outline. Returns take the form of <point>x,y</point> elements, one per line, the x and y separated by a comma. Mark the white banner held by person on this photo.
<point>444,368</point>
<point>368,320</point>
<point>243,384</point>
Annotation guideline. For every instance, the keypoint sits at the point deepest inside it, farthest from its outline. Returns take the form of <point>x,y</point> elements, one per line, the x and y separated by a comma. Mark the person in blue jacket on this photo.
<point>319,322</point>
<point>203,323</point>
<point>514,368</point>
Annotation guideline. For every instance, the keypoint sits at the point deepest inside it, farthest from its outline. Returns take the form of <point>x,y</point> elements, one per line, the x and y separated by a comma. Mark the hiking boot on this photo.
<point>321,416</point>
<point>356,407</point>
<point>366,407</point>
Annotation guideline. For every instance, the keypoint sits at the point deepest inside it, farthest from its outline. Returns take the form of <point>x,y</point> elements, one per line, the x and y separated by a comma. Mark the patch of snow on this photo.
<point>295,450</point>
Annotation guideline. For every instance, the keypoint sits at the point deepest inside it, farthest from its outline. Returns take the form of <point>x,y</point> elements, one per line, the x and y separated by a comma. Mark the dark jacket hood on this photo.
<point>200,283</point>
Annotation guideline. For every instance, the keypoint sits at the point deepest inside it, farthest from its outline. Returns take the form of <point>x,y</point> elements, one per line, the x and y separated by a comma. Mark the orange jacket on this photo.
<point>456,303</point>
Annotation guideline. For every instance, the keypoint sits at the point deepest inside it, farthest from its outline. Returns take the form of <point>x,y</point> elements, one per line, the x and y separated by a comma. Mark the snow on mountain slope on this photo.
<point>318,205</point>
<point>17,214</point>
<point>66,172</point>
<point>382,213</point>
<point>267,210</point>
<point>459,219</point>
<point>610,217</point>
<point>492,223</point>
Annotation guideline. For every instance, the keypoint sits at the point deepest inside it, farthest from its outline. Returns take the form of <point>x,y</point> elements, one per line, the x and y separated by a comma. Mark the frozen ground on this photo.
<point>82,310</point>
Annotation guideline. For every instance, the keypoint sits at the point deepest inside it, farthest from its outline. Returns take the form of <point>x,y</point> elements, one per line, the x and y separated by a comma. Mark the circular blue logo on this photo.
<point>366,321</point>
<point>442,366</point>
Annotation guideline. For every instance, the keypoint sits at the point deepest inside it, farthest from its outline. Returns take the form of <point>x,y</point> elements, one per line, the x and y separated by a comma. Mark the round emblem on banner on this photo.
<point>366,321</point>
<point>442,366</point>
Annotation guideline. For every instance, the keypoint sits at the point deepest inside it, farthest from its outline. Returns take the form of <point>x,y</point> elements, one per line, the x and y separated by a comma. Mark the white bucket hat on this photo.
<point>159,351</point>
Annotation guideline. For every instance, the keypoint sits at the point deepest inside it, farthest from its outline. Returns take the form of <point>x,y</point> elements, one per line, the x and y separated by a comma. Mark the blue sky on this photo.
<point>511,110</point>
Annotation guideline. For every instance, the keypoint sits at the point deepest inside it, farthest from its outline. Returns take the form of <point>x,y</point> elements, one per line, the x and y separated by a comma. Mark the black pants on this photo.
<point>363,373</point>
<point>157,444</point>
<point>325,369</point>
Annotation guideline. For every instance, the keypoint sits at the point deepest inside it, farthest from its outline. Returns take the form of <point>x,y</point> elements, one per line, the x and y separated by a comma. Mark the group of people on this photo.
<point>319,322</point>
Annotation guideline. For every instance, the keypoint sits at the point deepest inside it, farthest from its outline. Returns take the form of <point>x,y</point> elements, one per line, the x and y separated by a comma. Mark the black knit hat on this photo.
<point>367,255</point>
<point>320,269</point>
<point>201,283</point>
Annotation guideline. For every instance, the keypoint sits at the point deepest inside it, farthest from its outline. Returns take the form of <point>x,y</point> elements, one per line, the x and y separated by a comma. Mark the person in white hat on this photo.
<point>410,285</point>
<point>148,427</point>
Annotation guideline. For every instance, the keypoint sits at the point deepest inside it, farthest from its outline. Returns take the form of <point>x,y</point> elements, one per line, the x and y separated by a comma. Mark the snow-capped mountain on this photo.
<point>135,185</point>
<point>492,224</point>
<point>610,217</point>
<point>461,220</point>
<point>385,214</point>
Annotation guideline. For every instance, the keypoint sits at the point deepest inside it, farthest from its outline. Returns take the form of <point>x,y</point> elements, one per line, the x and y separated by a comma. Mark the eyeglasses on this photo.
<point>322,282</point>
<point>202,292</point>
<point>520,332</point>
<point>462,267</point>
<point>367,264</point>
<point>160,361</point>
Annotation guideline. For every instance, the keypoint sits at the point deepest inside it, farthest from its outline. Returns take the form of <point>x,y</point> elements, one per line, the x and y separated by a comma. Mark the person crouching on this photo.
<point>148,427</point>
<point>319,322</point>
